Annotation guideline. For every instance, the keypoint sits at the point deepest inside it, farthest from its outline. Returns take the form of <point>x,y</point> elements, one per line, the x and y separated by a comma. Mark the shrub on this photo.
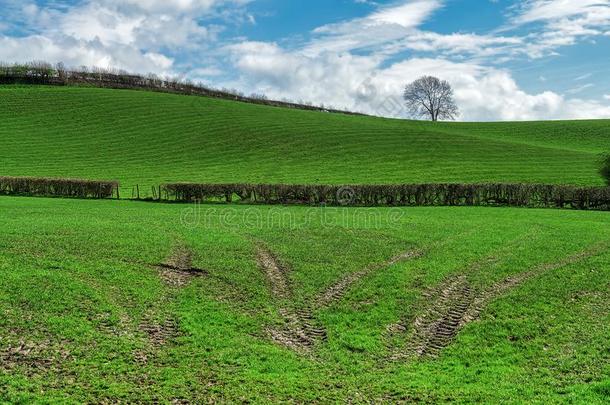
<point>518,195</point>
<point>49,187</point>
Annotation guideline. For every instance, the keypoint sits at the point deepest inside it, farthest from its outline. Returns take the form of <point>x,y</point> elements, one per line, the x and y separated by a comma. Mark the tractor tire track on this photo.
<point>455,303</point>
<point>335,292</point>
<point>299,331</point>
<point>502,287</point>
<point>276,274</point>
<point>177,270</point>
<point>157,323</point>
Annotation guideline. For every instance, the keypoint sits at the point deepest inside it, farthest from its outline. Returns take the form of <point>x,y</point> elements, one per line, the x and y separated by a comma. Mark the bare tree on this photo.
<point>431,97</point>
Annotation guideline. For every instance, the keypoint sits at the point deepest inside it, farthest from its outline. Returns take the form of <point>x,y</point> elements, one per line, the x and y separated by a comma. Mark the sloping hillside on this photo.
<point>145,138</point>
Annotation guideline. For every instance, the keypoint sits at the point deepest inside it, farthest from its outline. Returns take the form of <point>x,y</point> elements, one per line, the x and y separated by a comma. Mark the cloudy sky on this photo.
<point>507,59</point>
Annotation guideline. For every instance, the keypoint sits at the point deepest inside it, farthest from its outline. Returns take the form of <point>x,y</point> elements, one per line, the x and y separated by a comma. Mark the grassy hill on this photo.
<point>147,138</point>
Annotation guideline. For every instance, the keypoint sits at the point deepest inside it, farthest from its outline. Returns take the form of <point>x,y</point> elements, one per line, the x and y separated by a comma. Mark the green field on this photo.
<point>134,302</point>
<point>149,138</point>
<point>87,317</point>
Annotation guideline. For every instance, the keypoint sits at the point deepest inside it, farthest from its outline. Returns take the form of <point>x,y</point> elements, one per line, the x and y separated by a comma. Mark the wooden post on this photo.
<point>138,190</point>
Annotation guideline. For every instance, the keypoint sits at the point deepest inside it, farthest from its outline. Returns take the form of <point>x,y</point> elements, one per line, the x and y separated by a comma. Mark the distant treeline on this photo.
<point>43,73</point>
<point>514,195</point>
<point>48,187</point>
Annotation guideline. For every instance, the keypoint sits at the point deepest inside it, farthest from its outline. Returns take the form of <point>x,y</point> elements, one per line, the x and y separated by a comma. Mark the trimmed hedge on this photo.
<point>49,187</point>
<point>517,195</point>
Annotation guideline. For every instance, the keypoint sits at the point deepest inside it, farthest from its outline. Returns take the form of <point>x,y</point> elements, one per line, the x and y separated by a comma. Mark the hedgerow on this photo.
<point>43,73</point>
<point>517,195</point>
<point>57,187</point>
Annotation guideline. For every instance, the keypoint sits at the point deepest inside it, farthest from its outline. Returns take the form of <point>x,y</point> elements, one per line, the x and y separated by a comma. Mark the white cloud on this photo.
<point>137,35</point>
<point>359,64</point>
<point>77,52</point>
<point>359,83</point>
<point>385,25</point>
<point>579,89</point>
<point>564,21</point>
<point>408,15</point>
<point>393,30</point>
<point>326,71</point>
<point>549,10</point>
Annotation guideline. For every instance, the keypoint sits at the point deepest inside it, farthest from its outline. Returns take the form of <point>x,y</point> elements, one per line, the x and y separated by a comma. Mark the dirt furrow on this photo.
<point>277,275</point>
<point>438,324</point>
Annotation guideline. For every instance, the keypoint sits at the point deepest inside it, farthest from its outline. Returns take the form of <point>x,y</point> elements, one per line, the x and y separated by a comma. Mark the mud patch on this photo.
<point>177,270</point>
<point>440,320</point>
<point>158,323</point>
<point>33,358</point>
<point>275,272</point>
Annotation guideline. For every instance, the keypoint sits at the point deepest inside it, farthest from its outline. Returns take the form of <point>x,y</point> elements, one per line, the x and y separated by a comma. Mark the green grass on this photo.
<point>80,287</point>
<point>148,138</point>
<point>77,280</point>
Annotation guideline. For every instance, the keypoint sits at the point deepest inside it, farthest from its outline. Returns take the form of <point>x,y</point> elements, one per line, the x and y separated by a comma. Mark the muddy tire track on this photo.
<point>300,331</point>
<point>335,292</point>
<point>158,324</point>
<point>275,272</point>
<point>455,303</point>
<point>439,322</point>
<point>177,270</point>
<point>502,287</point>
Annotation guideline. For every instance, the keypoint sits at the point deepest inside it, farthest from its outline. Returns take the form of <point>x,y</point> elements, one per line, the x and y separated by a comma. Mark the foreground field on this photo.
<point>146,138</point>
<point>125,301</point>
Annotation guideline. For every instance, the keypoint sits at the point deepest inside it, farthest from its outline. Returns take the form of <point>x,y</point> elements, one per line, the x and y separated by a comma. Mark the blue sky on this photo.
<point>506,59</point>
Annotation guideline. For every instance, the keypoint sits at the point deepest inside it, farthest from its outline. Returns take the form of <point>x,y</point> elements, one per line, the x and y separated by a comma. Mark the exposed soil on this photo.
<point>276,273</point>
<point>336,291</point>
<point>159,332</point>
<point>299,331</point>
<point>34,358</point>
<point>178,271</point>
<point>453,304</point>
<point>440,319</point>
